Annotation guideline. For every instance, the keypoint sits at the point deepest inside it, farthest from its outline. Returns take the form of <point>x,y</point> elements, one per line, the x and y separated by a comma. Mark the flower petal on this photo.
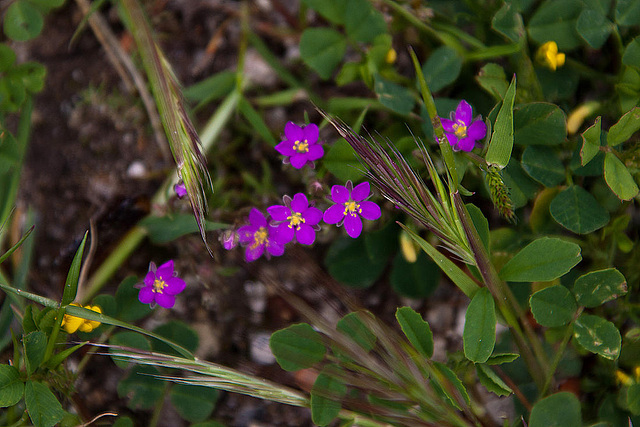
<point>298,160</point>
<point>293,132</point>
<point>370,210</point>
<point>274,248</point>
<point>464,112</point>
<point>165,300</point>
<point>149,279</point>
<point>299,203</point>
<point>279,212</point>
<point>360,191</point>
<point>175,285</point>
<point>312,216</point>
<point>245,234</point>
<point>447,125</point>
<point>466,144</point>
<point>282,234</point>
<point>146,295</point>
<point>256,218</point>
<point>353,225</point>
<point>165,271</point>
<point>315,152</point>
<point>285,148</point>
<point>453,140</point>
<point>305,235</point>
<point>334,214</point>
<point>310,132</point>
<point>253,253</point>
<point>339,194</point>
<point>477,130</point>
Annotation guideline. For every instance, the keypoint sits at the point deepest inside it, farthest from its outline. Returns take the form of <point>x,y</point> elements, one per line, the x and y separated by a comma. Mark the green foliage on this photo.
<point>193,403</point>
<point>597,287</point>
<point>11,386</point>
<point>558,410</point>
<point>442,68</point>
<point>322,49</point>
<point>356,328</point>
<point>539,124</point>
<point>326,394</point>
<point>297,347</point>
<point>553,306</point>
<point>543,259</point>
<point>416,329</point>
<point>479,334</point>
<point>501,144</point>
<point>597,335</point>
<point>163,229</point>
<point>142,388</point>
<point>43,407</point>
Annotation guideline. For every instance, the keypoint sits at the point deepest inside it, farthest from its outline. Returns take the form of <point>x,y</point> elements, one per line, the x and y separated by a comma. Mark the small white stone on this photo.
<point>137,169</point>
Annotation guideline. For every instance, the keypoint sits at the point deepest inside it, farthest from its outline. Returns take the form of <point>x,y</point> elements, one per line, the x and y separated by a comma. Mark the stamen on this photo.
<point>351,207</point>
<point>259,237</point>
<point>295,220</point>
<point>301,146</point>
<point>159,285</point>
<point>460,130</point>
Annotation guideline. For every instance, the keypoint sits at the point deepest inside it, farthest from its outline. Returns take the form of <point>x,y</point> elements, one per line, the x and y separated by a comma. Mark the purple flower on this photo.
<point>161,285</point>
<point>350,205</point>
<point>229,239</point>
<point>180,189</point>
<point>462,131</point>
<point>300,145</point>
<point>297,218</point>
<point>258,236</point>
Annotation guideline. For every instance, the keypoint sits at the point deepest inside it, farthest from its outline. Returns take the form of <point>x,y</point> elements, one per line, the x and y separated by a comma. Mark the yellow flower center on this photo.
<point>301,146</point>
<point>460,130</point>
<point>259,237</point>
<point>159,285</point>
<point>295,220</point>
<point>351,207</point>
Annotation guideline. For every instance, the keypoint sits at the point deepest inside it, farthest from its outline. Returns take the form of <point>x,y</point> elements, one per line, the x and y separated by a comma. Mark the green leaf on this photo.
<point>591,142</point>
<point>142,387</point>
<point>355,328</point>
<point>211,88</point>
<point>416,329</point>
<point>521,187</point>
<point>442,373</point>
<point>501,358</point>
<point>479,334</point>
<point>297,347</point>
<point>598,335</point>
<point>499,151</point>
<point>322,49</point>
<point>7,57</point>
<point>177,332</point>
<point>628,124</point>
<point>124,422</point>
<point>332,10</point>
<point>577,210</point>
<point>11,386</point>
<point>256,121</point>
<point>348,262</point>
<point>627,12</point>
<point>343,162</point>
<point>594,27</point>
<point>442,68</point>
<point>480,222</point>
<point>362,21</point>
<point>542,260</point>
<point>326,394</point>
<point>393,96</point>
<point>553,306</point>
<point>42,406</point>
<point>633,399</point>
<point>543,165</point>
<point>22,21</point>
<point>33,75</point>
<point>414,279</point>
<point>493,80</point>
<point>619,178</point>
<point>539,123</point>
<point>193,403</point>
<point>130,308</point>
<point>597,287</point>
<point>35,345</point>
<point>492,381</point>
<point>71,285</point>
<point>508,22</point>
<point>558,410</point>
<point>127,339</point>
<point>164,229</point>
<point>556,20</point>
<point>631,55</point>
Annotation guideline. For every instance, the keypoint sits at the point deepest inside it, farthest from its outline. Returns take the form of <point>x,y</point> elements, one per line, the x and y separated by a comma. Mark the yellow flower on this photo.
<point>549,56</point>
<point>72,323</point>
<point>391,56</point>
<point>577,116</point>
<point>623,378</point>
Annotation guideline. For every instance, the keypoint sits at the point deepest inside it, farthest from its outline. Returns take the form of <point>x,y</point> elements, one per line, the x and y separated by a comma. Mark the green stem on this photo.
<point>157,410</point>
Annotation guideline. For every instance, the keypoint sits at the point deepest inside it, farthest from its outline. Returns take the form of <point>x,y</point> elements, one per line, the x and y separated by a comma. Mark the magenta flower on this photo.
<point>229,239</point>
<point>295,218</point>
<point>350,205</point>
<point>300,145</point>
<point>258,236</point>
<point>180,189</point>
<point>462,131</point>
<point>161,285</point>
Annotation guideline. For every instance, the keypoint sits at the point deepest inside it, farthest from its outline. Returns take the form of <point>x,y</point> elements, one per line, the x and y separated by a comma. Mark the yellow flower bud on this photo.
<point>623,378</point>
<point>407,247</point>
<point>72,323</point>
<point>549,56</point>
<point>391,56</point>
<point>577,116</point>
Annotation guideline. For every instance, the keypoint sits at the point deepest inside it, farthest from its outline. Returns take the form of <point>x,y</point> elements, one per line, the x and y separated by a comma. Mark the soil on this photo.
<point>92,155</point>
